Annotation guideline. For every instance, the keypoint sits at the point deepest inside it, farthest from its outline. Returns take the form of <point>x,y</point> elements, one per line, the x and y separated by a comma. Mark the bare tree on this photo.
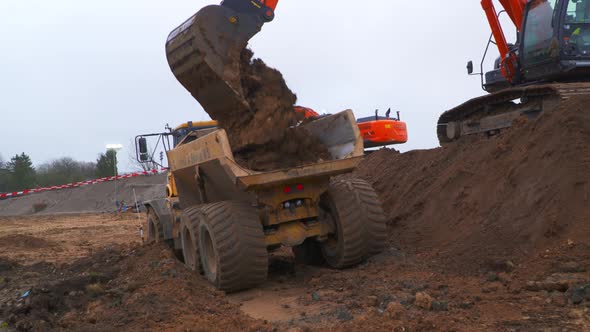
<point>65,170</point>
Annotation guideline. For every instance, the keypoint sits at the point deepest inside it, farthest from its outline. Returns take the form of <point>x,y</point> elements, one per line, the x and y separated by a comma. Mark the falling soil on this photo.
<point>269,137</point>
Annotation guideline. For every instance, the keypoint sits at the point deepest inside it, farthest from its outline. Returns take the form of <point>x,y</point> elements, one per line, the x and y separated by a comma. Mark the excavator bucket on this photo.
<point>204,53</point>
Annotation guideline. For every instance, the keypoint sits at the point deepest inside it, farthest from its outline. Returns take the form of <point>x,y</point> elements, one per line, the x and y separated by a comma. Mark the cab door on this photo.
<point>539,51</point>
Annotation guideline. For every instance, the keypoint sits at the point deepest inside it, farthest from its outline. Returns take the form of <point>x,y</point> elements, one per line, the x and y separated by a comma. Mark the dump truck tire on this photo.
<point>359,221</point>
<point>155,230</point>
<point>232,246</point>
<point>309,253</point>
<point>189,238</point>
<point>375,218</point>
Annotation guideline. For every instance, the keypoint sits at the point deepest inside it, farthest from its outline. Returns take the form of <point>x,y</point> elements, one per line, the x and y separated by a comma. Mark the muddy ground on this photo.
<point>95,275</point>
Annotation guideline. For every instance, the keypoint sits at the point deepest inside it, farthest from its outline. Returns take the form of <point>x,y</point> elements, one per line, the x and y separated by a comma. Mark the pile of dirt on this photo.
<point>268,137</point>
<point>482,200</point>
<point>96,198</point>
<point>123,287</point>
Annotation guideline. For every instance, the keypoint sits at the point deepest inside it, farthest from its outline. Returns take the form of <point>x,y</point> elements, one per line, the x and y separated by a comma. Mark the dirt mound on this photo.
<point>116,288</point>
<point>482,200</point>
<point>268,138</point>
<point>23,241</point>
<point>96,198</point>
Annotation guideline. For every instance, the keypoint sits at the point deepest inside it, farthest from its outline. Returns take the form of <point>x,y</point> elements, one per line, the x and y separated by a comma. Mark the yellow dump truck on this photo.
<point>224,219</point>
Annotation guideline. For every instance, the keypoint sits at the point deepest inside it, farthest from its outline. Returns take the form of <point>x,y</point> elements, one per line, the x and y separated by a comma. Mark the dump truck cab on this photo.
<point>180,132</point>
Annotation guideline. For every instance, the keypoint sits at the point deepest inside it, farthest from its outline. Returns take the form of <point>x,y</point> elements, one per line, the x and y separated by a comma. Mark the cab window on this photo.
<point>539,41</point>
<point>578,11</point>
<point>576,29</point>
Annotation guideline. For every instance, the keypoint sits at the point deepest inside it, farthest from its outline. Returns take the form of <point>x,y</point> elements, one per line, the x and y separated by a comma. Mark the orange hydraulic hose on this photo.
<point>515,9</point>
<point>271,4</point>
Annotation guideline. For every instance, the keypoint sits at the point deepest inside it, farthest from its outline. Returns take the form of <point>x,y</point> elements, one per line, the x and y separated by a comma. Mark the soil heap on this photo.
<point>268,137</point>
<point>120,288</point>
<point>479,200</point>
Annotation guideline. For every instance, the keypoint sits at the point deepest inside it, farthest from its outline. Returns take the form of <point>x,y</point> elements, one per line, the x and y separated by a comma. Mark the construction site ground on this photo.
<point>91,273</point>
<point>486,234</point>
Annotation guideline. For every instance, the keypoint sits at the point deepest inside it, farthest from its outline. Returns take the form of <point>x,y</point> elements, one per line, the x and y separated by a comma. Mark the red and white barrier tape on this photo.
<point>79,184</point>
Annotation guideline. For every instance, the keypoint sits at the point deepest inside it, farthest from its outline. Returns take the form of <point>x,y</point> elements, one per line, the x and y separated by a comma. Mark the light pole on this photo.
<point>115,148</point>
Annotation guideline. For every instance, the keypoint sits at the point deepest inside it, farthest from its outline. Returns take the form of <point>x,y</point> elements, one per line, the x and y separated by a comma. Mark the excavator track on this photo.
<point>496,111</point>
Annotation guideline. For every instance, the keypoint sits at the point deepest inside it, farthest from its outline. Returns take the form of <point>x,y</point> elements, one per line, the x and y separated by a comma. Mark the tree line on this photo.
<point>19,173</point>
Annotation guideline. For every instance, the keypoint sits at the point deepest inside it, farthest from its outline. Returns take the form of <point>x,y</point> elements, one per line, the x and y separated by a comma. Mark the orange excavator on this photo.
<point>376,130</point>
<point>382,130</point>
<point>204,55</point>
<point>548,62</point>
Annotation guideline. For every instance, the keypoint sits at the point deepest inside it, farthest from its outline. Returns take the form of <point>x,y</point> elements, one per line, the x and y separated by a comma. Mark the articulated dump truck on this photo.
<point>224,219</point>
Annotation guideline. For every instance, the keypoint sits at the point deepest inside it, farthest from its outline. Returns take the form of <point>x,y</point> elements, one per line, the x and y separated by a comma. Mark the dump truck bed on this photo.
<point>210,157</point>
<point>322,169</point>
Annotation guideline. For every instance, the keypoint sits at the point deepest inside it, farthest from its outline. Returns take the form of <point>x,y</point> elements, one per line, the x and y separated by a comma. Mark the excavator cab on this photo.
<point>553,44</point>
<point>549,63</point>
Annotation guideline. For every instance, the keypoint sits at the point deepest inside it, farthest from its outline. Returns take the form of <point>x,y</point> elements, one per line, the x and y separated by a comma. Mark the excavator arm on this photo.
<point>515,10</point>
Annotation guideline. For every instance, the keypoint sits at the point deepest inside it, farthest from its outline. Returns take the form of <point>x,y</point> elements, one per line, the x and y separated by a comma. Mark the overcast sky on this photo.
<point>76,75</point>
